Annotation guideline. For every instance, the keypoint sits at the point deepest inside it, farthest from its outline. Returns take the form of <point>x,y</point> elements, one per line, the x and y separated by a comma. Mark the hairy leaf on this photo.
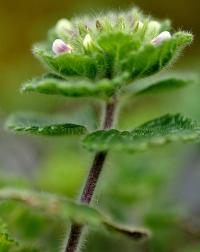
<point>76,65</point>
<point>39,124</point>
<point>66,209</point>
<point>169,128</point>
<point>160,86</point>
<point>116,48</point>
<point>71,87</point>
<point>150,59</point>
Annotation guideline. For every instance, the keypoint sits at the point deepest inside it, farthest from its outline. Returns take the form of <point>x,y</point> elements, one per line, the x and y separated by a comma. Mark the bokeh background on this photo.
<point>158,189</point>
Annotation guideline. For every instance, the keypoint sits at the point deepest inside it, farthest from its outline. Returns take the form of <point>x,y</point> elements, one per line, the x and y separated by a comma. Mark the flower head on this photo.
<point>112,45</point>
<point>59,46</point>
<point>163,36</point>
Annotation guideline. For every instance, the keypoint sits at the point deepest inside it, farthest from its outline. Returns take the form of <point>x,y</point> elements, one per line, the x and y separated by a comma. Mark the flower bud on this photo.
<point>59,47</point>
<point>161,37</point>
<point>99,26</point>
<point>63,27</point>
<point>153,28</point>
<point>138,26</point>
<point>87,42</point>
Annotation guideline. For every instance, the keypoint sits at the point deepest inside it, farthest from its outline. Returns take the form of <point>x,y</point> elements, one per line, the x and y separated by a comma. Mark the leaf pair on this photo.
<point>72,87</point>
<point>162,130</point>
<point>104,89</point>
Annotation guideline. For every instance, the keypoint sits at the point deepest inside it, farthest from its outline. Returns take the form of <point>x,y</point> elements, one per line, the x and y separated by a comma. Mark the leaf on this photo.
<point>60,207</point>
<point>3,227</point>
<point>39,124</point>
<point>71,87</point>
<point>165,86</point>
<point>135,234</point>
<point>166,129</point>
<point>6,243</point>
<point>116,47</point>
<point>75,65</point>
<point>159,86</point>
<point>151,59</point>
<point>26,249</point>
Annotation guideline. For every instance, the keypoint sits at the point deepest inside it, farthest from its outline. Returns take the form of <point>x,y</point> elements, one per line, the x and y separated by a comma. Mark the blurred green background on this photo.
<point>158,189</point>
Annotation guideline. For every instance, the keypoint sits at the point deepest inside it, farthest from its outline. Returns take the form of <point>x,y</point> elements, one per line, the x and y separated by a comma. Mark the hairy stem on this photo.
<point>91,182</point>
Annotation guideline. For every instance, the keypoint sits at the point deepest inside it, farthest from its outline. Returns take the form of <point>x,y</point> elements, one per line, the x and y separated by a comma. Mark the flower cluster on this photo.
<point>64,27</point>
<point>122,45</point>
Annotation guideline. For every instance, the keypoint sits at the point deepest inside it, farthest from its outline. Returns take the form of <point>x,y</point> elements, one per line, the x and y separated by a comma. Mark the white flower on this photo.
<point>87,42</point>
<point>163,36</point>
<point>59,46</point>
<point>63,26</point>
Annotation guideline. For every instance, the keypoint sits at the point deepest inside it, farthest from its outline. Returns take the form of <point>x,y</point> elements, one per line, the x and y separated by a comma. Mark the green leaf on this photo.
<point>3,227</point>
<point>26,249</point>
<point>134,233</point>
<point>6,243</point>
<point>75,65</point>
<point>116,47</point>
<point>71,87</point>
<point>146,87</point>
<point>151,59</point>
<point>39,124</point>
<point>65,209</point>
<point>166,129</point>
